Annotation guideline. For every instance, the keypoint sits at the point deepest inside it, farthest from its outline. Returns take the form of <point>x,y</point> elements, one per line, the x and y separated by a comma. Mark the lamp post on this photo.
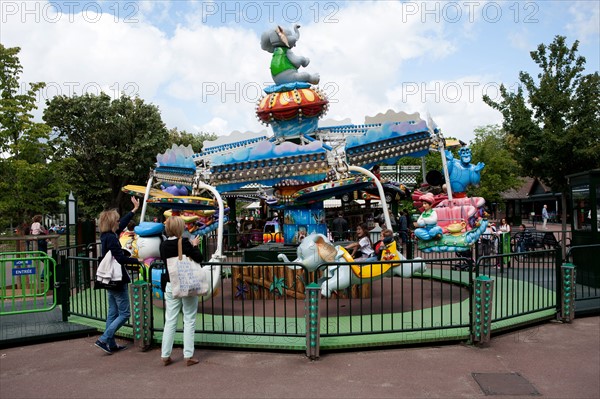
<point>71,214</point>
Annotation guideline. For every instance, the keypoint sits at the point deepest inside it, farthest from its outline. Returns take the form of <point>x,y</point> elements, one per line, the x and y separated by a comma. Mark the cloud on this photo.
<point>456,106</point>
<point>519,40</point>
<point>585,23</point>
<point>87,51</point>
<point>206,74</point>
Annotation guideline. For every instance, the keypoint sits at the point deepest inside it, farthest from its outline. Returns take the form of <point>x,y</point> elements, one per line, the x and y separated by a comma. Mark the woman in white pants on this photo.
<point>174,227</point>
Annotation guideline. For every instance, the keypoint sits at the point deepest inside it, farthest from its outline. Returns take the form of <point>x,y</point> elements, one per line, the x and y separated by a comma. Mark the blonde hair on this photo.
<point>174,226</point>
<point>37,219</point>
<point>108,221</point>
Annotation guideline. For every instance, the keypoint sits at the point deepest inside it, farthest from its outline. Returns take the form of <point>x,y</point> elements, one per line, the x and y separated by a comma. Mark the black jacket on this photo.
<point>168,249</point>
<point>110,242</point>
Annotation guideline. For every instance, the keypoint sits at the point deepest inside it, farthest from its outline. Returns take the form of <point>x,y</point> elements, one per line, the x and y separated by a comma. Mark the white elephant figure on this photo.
<point>147,248</point>
<point>316,250</point>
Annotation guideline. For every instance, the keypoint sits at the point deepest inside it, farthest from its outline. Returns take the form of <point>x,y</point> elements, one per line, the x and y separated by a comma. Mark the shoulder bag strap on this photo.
<point>179,249</point>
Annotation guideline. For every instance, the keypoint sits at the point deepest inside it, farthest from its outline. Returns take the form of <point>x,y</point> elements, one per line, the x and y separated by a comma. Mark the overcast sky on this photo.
<point>201,63</point>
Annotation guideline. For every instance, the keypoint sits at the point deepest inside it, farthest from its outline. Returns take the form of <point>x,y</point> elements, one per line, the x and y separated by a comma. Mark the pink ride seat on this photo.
<point>461,210</point>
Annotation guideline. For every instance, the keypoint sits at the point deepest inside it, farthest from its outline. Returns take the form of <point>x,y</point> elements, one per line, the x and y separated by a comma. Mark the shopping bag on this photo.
<point>187,277</point>
<point>109,274</point>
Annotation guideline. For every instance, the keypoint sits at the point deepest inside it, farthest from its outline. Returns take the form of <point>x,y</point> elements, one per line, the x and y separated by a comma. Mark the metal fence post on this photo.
<point>482,310</point>
<point>410,249</point>
<point>504,248</point>
<point>141,298</point>
<point>567,308</point>
<point>62,284</point>
<point>313,320</point>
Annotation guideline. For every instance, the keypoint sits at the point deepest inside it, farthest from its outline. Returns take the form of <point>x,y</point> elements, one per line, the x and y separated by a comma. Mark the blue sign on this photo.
<point>25,271</point>
<point>22,262</point>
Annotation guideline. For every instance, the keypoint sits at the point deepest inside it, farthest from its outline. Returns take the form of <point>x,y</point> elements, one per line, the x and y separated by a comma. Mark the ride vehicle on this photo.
<point>272,232</point>
<point>393,191</point>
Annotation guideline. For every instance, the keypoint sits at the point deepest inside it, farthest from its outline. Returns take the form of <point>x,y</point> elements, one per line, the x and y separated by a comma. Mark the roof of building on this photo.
<point>531,187</point>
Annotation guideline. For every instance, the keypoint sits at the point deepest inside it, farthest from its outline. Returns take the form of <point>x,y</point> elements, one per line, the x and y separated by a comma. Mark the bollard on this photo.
<point>141,301</point>
<point>567,313</point>
<point>482,310</point>
<point>313,320</point>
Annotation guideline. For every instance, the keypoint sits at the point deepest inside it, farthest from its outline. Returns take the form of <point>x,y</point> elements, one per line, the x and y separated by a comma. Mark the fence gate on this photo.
<point>27,282</point>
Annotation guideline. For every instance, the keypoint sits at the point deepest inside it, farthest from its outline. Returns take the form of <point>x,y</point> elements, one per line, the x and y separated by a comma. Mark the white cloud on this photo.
<point>519,39</point>
<point>209,77</point>
<point>74,53</point>
<point>456,106</point>
<point>586,20</point>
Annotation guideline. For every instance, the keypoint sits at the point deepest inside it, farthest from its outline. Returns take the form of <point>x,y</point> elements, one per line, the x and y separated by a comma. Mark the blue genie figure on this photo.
<point>427,228</point>
<point>462,173</point>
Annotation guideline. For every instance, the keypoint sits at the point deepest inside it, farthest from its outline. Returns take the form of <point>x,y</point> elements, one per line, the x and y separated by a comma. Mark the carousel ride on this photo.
<point>303,164</point>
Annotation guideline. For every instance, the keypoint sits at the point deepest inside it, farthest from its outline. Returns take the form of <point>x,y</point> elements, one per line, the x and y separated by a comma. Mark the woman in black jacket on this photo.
<point>174,227</point>
<point>118,297</point>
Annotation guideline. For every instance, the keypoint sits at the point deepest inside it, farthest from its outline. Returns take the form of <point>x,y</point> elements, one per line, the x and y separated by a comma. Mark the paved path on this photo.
<point>558,360</point>
<point>27,328</point>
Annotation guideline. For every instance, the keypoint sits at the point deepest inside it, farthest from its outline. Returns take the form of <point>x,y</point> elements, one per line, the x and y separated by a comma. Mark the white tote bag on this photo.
<point>188,278</point>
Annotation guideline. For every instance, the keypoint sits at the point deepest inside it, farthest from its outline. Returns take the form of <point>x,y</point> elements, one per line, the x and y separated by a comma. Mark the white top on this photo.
<point>36,228</point>
<point>365,247</point>
<point>505,228</point>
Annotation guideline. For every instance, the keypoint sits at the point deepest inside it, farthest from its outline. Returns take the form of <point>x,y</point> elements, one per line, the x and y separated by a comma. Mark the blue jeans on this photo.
<point>118,314</point>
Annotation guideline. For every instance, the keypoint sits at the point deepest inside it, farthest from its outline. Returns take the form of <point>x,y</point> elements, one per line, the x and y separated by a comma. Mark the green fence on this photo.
<point>27,282</point>
<point>262,305</point>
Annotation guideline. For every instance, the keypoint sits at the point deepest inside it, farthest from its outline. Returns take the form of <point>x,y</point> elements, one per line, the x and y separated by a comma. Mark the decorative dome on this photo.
<point>292,104</point>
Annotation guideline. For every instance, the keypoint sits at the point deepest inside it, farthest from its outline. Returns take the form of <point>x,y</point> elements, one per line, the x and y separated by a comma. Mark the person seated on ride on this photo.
<point>427,228</point>
<point>376,171</point>
<point>362,249</point>
<point>387,237</point>
<point>524,239</point>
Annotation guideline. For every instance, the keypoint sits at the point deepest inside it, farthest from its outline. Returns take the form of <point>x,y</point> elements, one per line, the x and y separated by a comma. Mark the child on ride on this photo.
<point>387,237</point>
<point>363,244</point>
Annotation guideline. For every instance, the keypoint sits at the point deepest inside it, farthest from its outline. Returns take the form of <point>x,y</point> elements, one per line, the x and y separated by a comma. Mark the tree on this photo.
<point>195,140</point>
<point>28,184</point>
<point>28,189</point>
<point>106,144</point>
<point>501,171</point>
<point>22,138</point>
<point>554,131</point>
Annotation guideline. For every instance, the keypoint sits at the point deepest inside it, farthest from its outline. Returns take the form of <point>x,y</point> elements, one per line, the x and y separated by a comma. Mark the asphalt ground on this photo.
<point>550,360</point>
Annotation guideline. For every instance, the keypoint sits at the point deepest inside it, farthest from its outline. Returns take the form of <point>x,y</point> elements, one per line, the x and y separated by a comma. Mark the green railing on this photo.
<point>525,284</point>
<point>586,259</point>
<point>263,304</point>
<point>26,282</point>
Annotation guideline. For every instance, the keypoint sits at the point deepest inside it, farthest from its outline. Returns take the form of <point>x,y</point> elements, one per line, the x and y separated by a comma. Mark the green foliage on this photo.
<point>501,171</point>
<point>33,187</point>
<point>22,138</point>
<point>106,145</point>
<point>552,121</point>
<point>28,184</point>
<point>195,140</point>
<point>433,161</point>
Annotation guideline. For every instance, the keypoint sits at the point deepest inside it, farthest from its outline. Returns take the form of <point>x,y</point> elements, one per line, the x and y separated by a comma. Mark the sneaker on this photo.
<point>118,348</point>
<point>104,346</point>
